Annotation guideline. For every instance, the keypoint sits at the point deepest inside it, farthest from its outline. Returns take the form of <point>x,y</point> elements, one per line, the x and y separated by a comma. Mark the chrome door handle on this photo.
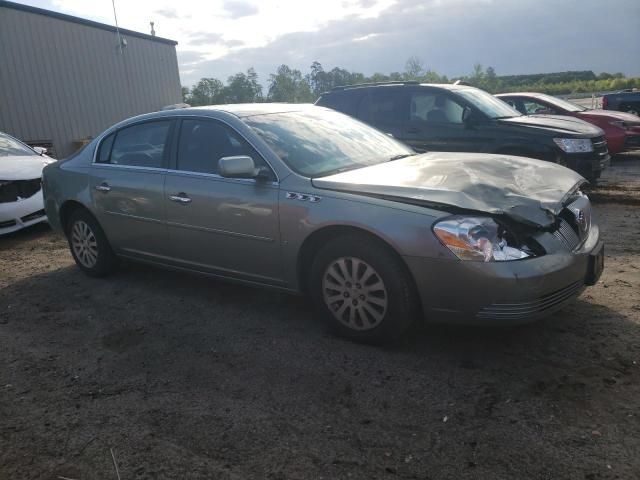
<point>180,198</point>
<point>103,187</point>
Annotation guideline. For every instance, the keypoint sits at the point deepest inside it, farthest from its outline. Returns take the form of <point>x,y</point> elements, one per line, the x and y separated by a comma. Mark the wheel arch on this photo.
<point>312,244</point>
<point>67,209</point>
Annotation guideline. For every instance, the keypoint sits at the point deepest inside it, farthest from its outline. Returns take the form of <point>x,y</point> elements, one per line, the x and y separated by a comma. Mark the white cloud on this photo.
<point>220,37</point>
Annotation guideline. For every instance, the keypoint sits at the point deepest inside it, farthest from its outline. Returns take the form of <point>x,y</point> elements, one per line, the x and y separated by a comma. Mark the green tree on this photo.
<point>208,91</point>
<point>243,88</point>
<point>413,69</point>
<point>186,94</point>
<point>288,85</point>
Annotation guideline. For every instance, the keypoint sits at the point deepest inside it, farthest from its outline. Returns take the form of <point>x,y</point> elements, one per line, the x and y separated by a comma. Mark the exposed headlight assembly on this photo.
<point>574,145</point>
<point>476,239</point>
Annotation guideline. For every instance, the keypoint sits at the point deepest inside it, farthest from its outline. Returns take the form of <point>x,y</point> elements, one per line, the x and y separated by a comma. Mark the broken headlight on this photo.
<point>478,239</point>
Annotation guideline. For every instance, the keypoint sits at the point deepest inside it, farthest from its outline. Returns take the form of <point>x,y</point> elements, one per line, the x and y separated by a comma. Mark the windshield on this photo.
<point>488,104</point>
<point>12,147</point>
<point>560,103</point>
<point>322,142</point>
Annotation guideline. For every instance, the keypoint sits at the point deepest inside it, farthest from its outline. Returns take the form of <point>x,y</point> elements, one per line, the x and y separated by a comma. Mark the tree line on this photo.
<point>291,85</point>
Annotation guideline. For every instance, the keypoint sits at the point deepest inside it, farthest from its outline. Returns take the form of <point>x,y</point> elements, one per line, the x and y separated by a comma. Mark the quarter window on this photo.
<point>203,143</point>
<point>141,145</point>
<point>105,149</point>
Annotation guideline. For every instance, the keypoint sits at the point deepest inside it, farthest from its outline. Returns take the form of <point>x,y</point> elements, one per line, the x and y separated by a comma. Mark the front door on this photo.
<point>435,124</point>
<point>127,188</point>
<point>216,224</point>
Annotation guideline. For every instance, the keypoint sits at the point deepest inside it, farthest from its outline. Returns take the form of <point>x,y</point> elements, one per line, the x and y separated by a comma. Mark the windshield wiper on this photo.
<point>402,155</point>
<point>338,170</point>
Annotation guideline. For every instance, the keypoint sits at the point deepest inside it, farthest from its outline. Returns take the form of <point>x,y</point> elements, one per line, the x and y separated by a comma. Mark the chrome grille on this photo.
<point>532,309</point>
<point>600,146</point>
<point>567,235</point>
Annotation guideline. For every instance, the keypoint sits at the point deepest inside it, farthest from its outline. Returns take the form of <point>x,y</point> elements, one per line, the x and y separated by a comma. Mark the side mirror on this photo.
<point>40,150</point>
<point>469,117</point>
<point>240,166</point>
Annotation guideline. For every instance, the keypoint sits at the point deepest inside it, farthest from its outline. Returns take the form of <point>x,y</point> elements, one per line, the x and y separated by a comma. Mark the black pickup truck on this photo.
<point>623,101</point>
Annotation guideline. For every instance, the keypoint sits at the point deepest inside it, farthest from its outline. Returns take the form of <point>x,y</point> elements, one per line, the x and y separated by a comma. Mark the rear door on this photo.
<point>221,225</point>
<point>385,108</point>
<point>127,187</point>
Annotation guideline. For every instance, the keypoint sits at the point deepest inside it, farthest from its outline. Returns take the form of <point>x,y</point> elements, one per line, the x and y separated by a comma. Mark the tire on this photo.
<point>379,308</point>
<point>89,245</point>
<point>630,109</point>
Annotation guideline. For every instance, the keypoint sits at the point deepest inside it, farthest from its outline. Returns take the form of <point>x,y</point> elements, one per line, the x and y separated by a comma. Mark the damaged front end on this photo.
<point>501,238</point>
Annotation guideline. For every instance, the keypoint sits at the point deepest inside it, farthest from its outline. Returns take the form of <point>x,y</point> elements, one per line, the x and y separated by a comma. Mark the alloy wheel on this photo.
<point>355,293</point>
<point>84,244</point>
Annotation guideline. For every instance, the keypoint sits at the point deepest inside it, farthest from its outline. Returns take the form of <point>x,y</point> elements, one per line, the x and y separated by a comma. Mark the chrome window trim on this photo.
<point>182,116</point>
<point>215,176</point>
<point>129,167</point>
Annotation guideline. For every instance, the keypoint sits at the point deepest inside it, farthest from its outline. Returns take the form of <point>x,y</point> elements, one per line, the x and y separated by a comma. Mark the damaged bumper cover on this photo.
<point>15,216</point>
<point>499,293</point>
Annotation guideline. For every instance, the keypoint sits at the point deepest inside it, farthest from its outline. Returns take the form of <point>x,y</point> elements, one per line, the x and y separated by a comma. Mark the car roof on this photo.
<point>240,110</point>
<point>522,94</point>
<point>445,86</point>
<point>249,109</point>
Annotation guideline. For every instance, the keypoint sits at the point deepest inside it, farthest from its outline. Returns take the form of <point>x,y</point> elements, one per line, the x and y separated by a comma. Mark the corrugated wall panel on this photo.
<point>63,81</point>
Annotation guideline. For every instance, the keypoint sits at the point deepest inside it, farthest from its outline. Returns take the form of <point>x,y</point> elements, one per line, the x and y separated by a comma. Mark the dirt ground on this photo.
<point>186,377</point>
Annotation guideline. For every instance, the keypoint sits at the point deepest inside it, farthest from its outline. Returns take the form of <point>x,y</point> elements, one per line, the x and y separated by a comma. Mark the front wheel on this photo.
<point>363,290</point>
<point>89,245</point>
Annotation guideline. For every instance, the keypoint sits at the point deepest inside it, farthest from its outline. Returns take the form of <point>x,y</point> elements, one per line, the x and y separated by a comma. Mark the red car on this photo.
<point>622,130</point>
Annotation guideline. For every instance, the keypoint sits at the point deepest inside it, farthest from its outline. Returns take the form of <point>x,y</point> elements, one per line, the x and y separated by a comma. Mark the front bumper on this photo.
<point>589,165</point>
<point>499,293</point>
<point>632,142</point>
<point>15,216</point>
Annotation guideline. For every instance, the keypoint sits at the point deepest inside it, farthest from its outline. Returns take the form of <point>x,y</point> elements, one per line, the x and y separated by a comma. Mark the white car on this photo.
<point>21,203</point>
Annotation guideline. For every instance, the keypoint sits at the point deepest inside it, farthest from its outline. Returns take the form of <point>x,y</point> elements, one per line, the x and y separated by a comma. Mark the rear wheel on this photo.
<point>89,245</point>
<point>363,290</point>
<point>631,109</point>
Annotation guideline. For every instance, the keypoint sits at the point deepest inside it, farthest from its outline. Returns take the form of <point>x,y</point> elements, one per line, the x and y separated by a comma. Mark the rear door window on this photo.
<point>383,105</point>
<point>141,145</point>
<point>343,101</point>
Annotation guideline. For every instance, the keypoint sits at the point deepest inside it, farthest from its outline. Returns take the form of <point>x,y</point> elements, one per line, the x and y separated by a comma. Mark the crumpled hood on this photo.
<point>29,167</point>
<point>528,191</point>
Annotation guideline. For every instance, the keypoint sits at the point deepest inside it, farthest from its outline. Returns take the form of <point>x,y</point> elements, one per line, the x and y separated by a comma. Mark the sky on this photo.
<point>218,38</point>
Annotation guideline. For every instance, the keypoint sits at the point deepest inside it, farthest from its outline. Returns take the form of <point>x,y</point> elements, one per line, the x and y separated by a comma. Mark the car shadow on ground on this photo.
<point>195,375</point>
<point>157,299</point>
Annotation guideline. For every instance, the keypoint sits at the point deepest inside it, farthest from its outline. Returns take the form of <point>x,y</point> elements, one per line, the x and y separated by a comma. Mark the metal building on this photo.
<point>64,79</point>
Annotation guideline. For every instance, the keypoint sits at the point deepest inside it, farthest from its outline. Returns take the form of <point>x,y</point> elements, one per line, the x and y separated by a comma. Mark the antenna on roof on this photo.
<point>153,32</point>
<point>113,2</point>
